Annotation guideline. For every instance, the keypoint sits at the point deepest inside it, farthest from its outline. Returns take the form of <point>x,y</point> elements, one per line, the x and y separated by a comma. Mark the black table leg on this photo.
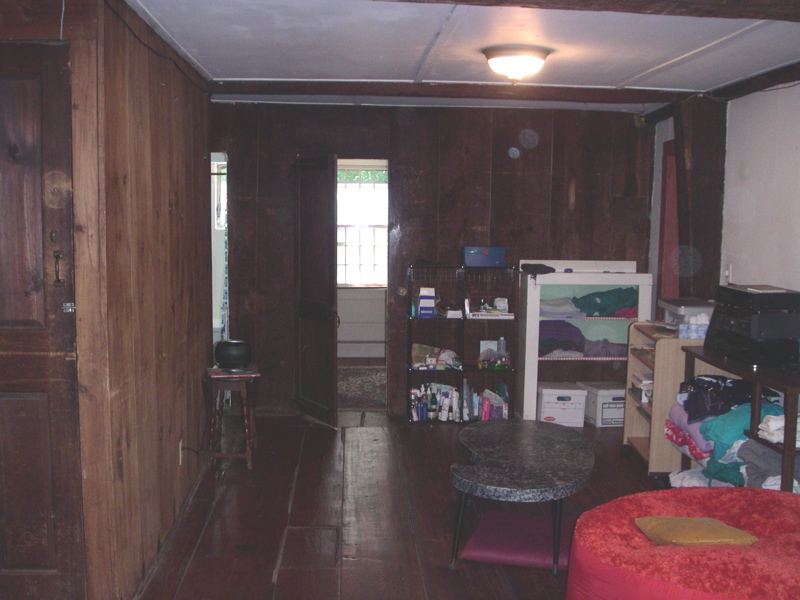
<point>557,504</point>
<point>462,508</point>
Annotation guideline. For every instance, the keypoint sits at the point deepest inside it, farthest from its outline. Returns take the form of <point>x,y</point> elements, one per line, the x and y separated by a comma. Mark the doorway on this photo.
<point>362,200</point>
<point>219,245</point>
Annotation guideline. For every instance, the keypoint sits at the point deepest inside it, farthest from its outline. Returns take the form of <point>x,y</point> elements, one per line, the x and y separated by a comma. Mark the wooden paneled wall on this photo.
<point>156,176</point>
<point>141,187</point>
<point>543,183</point>
<point>701,131</point>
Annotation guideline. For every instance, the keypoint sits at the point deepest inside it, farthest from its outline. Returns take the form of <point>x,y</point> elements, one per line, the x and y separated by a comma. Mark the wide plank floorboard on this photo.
<point>365,512</point>
<point>379,554</point>
<point>427,453</point>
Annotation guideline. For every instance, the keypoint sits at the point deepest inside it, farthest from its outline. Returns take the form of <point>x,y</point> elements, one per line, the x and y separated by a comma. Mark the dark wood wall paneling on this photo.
<point>262,142</point>
<point>42,19</point>
<point>700,133</point>
<point>544,184</point>
<point>159,298</point>
<point>413,220</point>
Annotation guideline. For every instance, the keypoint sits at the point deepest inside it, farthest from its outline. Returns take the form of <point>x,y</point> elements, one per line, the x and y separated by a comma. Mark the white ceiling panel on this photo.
<point>342,40</point>
<point>763,46</point>
<point>372,41</point>
<point>591,49</point>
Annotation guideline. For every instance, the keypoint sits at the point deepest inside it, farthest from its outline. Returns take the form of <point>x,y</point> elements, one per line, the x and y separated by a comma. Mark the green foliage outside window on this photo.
<point>362,176</point>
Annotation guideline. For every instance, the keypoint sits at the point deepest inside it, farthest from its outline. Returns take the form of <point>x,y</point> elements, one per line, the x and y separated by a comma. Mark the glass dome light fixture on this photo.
<point>515,61</point>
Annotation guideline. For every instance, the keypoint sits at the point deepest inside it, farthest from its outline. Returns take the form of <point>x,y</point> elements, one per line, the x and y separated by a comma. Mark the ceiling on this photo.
<point>378,52</point>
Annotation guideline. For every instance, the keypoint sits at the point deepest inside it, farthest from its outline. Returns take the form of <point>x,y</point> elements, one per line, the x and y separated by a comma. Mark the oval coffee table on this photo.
<point>521,461</point>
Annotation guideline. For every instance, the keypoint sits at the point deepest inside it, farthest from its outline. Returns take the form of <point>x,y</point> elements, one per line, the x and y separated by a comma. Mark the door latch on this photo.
<point>58,255</point>
<point>68,307</point>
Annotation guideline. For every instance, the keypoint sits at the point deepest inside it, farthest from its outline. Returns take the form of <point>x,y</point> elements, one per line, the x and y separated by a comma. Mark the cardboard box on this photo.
<point>561,403</point>
<point>426,303</point>
<point>484,256</point>
<point>605,403</point>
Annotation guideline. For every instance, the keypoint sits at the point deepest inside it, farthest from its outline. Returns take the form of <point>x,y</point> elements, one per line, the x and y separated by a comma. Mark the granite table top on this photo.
<point>522,461</point>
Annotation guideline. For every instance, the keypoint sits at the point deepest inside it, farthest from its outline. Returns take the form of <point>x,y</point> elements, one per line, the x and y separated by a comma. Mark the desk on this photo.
<point>521,461</point>
<point>245,383</point>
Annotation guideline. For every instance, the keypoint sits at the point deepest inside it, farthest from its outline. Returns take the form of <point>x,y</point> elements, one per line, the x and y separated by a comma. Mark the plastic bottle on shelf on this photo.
<point>422,404</point>
<point>422,410</point>
<point>501,346</point>
<point>444,407</point>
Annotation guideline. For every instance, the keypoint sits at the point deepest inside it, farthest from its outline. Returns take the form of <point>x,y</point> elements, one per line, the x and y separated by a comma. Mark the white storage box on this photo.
<point>680,310</point>
<point>561,403</point>
<point>426,305</point>
<point>605,403</point>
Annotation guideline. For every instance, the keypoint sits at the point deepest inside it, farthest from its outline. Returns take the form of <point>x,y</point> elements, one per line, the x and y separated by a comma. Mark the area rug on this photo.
<point>362,387</point>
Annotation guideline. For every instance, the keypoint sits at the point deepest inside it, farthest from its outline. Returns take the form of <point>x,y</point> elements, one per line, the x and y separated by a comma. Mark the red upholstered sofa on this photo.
<point>611,559</point>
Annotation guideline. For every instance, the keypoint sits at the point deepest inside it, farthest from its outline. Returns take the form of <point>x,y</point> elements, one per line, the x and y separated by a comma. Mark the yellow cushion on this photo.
<point>692,531</point>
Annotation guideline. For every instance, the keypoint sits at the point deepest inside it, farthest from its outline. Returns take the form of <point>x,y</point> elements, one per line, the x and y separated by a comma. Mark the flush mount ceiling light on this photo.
<point>514,61</point>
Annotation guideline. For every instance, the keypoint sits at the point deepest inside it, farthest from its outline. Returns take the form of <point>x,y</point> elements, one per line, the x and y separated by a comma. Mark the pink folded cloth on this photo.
<point>680,418</point>
<point>680,438</point>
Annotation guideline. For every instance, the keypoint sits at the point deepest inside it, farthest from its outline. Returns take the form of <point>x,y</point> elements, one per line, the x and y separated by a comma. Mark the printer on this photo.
<point>757,325</point>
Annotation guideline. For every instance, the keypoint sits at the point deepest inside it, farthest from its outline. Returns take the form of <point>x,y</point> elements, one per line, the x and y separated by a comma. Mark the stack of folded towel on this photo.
<point>772,427</point>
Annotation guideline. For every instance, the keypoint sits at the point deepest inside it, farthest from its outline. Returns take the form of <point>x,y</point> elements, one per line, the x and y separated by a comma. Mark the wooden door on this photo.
<point>41,526</point>
<point>315,259</point>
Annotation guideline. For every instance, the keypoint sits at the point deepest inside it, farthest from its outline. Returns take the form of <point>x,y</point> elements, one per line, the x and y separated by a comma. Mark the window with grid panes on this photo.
<point>362,206</point>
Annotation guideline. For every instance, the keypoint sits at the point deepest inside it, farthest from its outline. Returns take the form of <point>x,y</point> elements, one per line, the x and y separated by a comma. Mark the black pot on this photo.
<point>232,354</point>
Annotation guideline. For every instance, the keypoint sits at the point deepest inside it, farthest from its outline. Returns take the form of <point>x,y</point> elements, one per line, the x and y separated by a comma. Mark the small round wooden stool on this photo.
<point>243,382</point>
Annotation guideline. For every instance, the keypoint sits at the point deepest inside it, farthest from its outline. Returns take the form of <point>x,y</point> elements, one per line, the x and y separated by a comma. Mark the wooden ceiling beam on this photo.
<point>783,76</point>
<point>527,93</point>
<point>771,10</point>
<point>788,75</point>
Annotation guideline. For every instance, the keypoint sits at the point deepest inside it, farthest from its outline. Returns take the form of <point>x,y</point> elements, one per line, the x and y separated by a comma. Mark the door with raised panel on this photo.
<point>41,524</point>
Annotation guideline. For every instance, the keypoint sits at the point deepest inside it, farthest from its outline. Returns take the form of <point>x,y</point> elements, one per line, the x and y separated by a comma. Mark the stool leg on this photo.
<point>219,400</point>
<point>214,421</point>
<point>462,508</point>
<point>210,412</point>
<point>253,395</point>
<point>248,440</point>
<point>557,505</point>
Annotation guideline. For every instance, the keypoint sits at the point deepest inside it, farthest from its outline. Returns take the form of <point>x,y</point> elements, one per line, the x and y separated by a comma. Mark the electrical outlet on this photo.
<point>180,453</point>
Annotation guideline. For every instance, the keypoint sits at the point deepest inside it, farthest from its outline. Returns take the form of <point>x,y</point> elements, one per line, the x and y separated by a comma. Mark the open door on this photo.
<point>315,260</point>
<point>41,526</point>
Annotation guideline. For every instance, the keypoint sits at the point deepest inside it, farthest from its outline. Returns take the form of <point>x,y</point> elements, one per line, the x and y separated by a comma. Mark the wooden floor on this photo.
<point>362,513</point>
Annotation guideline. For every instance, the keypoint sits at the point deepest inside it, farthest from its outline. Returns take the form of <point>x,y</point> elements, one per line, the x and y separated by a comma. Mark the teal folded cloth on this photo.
<point>728,428</point>
<point>724,431</point>
<point>605,304</point>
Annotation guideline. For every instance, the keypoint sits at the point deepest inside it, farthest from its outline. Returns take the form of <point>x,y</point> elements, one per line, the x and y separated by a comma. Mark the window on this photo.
<point>362,206</point>
<point>219,191</point>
